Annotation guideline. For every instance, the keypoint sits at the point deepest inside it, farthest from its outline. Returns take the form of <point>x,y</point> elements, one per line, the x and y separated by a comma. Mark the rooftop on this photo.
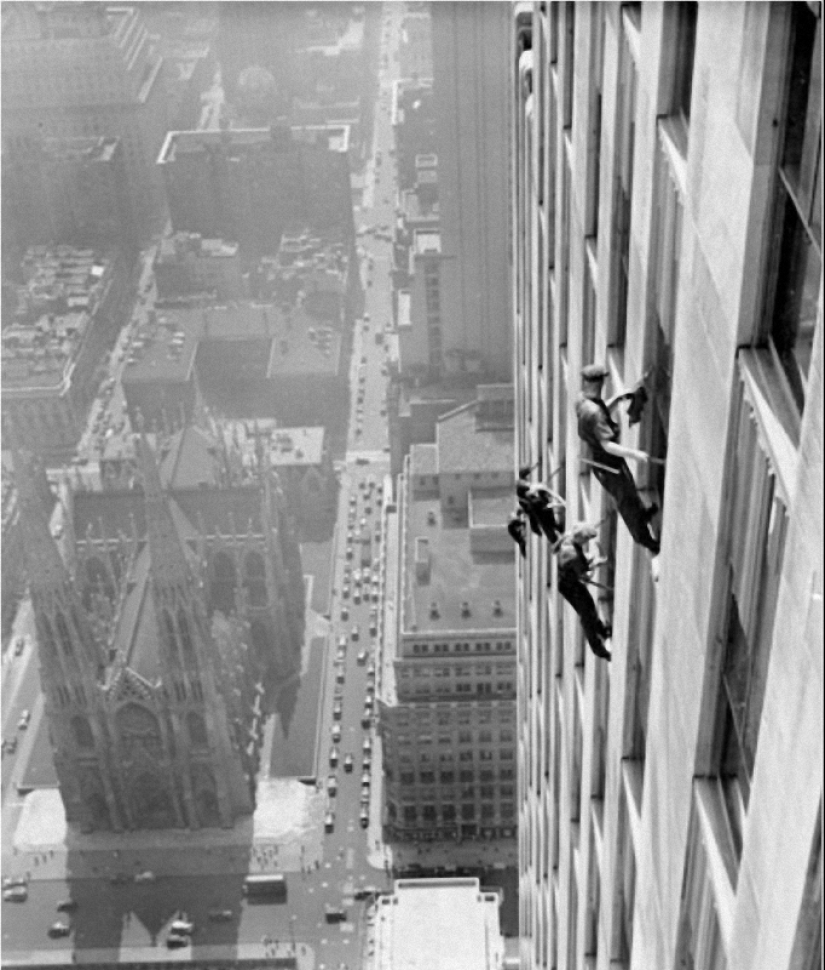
<point>288,447</point>
<point>428,241</point>
<point>165,350</point>
<point>438,924</point>
<point>237,141</point>
<point>55,308</point>
<point>456,574</point>
<point>464,446</point>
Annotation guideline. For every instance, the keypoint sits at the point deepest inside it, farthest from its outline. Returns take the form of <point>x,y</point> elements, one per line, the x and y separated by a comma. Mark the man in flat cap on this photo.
<point>600,431</point>
<point>574,567</point>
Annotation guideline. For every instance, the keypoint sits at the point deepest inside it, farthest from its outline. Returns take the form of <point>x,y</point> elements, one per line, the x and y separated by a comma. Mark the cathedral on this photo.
<point>165,627</point>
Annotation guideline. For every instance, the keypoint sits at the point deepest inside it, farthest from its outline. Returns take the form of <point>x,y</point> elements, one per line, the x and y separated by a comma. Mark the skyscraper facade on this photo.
<point>87,70</point>
<point>666,178</point>
<point>470,98</point>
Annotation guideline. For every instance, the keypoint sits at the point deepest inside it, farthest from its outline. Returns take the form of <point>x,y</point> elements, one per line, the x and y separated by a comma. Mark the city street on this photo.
<point>325,864</point>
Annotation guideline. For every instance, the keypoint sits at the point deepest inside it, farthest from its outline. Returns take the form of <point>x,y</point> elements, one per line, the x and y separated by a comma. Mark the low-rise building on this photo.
<point>425,921</point>
<point>67,314</point>
<point>447,694</point>
<point>188,264</point>
<point>302,460</point>
<point>247,359</point>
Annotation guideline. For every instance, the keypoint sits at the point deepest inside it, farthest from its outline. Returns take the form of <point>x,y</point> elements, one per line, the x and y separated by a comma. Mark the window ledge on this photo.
<point>632,779</point>
<point>777,422</point>
<point>673,138</point>
<point>633,35</point>
<point>722,865</point>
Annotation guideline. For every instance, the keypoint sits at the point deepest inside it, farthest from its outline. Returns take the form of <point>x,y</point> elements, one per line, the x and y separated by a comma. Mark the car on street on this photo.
<point>348,763</point>
<point>371,671</point>
<point>362,658</point>
<point>349,552</point>
<point>365,892</point>
<point>175,941</point>
<point>342,642</point>
<point>345,592</point>
<point>67,906</point>
<point>340,656</point>
<point>366,719</point>
<point>16,894</point>
<point>333,757</point>
<point>340,676</point>
<point>364,819</point>
<point>182,926</point>
<point>146,876</point>
<point>25,717</point>
<point>334,914</point>
<point>356,596</point>
<point>59,929</point>
<point>373,628</point>
<point>355,634</point>
<point>19,646</point>
<point>329,822</point>
<point>336,732</point>
<point>337,710</point>
<point>332,785</point>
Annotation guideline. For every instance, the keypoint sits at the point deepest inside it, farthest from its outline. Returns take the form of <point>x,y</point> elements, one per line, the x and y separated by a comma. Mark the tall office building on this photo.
<point>72,70</point>
<point>447,687</point>
<point>667,179</point>
<point>470,98</point>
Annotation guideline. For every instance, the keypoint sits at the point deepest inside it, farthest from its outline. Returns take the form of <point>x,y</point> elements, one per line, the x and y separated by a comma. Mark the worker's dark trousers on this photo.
<point>551,522</point>
<point>621,486</point>
<point>578,596</point>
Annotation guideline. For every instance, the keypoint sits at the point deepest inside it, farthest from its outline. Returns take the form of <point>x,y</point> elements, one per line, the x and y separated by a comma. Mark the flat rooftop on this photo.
<point>465,447</point>
<point>237,141</point>
<point>456,575</point>
<point>288,447</point>
<point>438,924</point>
<point>165,350</point>
<point>54,314</point>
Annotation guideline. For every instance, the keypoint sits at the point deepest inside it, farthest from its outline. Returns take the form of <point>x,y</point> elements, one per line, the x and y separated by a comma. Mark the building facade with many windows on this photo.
<point>666,194</point>
<point>447,688</point>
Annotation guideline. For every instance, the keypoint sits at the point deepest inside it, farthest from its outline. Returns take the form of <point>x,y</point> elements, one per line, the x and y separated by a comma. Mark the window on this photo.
<point>686,14</point>
<point>797,236</point>
<point>758,526</point>
<point>625,146</point>
<point>661,325</point>
<point>700,939</point>
<point>567,65</point>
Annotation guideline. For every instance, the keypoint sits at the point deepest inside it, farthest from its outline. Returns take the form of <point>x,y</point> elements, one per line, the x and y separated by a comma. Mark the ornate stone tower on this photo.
<point>72,667</point>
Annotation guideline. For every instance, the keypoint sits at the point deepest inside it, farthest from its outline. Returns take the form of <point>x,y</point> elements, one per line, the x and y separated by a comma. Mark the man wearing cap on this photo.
<point>573,568</point>
<point>598,429</point>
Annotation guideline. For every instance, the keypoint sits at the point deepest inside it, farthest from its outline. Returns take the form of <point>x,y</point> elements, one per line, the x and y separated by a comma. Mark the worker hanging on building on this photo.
<point>543,507</point>
<point>600,431</point>
<point>517,527</point>
<point>574,571</point>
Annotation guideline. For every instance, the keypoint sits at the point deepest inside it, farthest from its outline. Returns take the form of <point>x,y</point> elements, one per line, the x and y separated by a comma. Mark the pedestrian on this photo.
<point>601,433</point>
<point>573,567</point>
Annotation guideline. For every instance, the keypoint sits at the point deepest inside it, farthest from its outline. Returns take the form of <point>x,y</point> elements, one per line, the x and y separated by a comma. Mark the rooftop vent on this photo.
<point>431,517</point>
<point>434,611</point>
<point>465,608</point>
<point>497,610</point>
